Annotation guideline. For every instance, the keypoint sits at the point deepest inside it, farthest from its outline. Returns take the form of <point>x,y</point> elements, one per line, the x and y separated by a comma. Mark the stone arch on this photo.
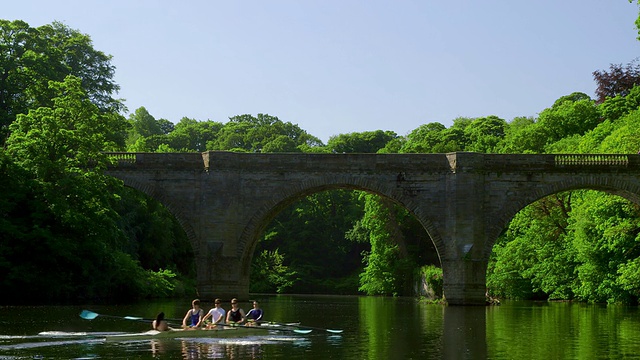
<point>162,198</point>
<point>289,195</point>
<point>621,186</point>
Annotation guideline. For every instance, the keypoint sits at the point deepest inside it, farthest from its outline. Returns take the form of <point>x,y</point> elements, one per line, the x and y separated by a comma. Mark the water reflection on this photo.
<point>405,328</point>
<point>194,350</point>
<point>201,349</point>
<point>157,348</point>
<point>228,348</point>
<point>374,328</point>
<point>465,335</point>
<point>334,340</point>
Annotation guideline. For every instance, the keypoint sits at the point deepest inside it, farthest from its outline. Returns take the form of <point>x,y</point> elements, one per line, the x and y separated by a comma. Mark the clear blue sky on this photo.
<point>342,66</point>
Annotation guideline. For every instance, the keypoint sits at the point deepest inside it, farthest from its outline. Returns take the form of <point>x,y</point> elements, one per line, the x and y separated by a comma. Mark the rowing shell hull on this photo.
<point>226,332</point>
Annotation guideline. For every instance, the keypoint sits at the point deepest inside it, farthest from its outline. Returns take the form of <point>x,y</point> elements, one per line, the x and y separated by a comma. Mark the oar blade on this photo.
<point>300,329</point>
<point>88,315</point>
<point>133,318</point>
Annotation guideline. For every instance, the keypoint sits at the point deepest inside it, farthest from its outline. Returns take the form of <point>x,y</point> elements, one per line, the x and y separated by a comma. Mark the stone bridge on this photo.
<point>225,200</point>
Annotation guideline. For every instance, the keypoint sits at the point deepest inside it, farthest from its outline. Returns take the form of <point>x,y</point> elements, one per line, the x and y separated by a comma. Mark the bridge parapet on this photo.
<point>550,163</point>
<point>157,160</point>
<point>306,162</point>
<point>453,162</point>
<point>592,160</point>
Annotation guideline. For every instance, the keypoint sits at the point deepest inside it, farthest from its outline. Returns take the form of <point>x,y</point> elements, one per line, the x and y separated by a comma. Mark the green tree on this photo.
<point>518,124</point>
<point>534,258</point>
<point>569,115</point>
<point>192,135</point>
<point>166,126</point>
<point>154,238</point>
<point>623,139</point>
<point>63,139</point>
<point>363,142</point>
<point>616,107</point>
<point>455,137</point>
<point>31,57</point>
<point>425,138</point>
<point>590,142</point>
<point>144,124</point>
<point>253,134</point>
<point>569,246</point>
<point>389,270</point>
<point>525,136</point>
<point>485,134</point>
<point>73,226</point>
<point>394,146</point>
<point>567,145</point>
<point>280,144</point>
<point>310,235</point>
<point>269,274</point>
<point>605,231</point>
<point>629,277</point>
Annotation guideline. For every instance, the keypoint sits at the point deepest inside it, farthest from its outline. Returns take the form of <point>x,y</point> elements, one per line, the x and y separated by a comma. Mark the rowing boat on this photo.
<point>295,327</point>
<point>224,332</point>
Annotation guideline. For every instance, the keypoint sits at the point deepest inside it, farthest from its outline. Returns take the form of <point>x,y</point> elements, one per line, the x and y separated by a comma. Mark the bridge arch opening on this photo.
<point>156,238</point>
<point>578,242</point>
<point>313,241</point>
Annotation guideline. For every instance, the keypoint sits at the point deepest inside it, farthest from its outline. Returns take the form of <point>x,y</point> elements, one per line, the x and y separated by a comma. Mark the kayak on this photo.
<point>225,332</point>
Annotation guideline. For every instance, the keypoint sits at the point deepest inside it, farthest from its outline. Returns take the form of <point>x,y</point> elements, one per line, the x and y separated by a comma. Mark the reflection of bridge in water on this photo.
<point>225,200</point>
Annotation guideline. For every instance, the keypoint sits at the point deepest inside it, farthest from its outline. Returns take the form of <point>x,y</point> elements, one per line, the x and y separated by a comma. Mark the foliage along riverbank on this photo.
<point>69,233</point>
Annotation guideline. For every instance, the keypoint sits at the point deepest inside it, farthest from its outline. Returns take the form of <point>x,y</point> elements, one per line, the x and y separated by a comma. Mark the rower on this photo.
<point>160,323</point>
<point>235,315</point>
<point>194,316</point>
<point>254,315</point>
<point>216,314</point>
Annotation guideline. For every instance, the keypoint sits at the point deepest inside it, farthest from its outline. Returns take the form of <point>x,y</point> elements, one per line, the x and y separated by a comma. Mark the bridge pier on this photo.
<point>220,277</point>
<point>464,264</point>
<point>223,290</point>
<point>464,281</point>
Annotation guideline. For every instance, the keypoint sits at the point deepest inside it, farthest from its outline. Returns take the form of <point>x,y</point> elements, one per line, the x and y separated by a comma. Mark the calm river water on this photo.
<point>374,328</point>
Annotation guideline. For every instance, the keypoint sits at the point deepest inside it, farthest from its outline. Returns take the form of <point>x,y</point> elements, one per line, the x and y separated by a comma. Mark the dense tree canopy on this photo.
<point>52,146</point>
<point>61,235</point>
<point>364,142</point>
<point>58,117</point>
<point>31,57</point>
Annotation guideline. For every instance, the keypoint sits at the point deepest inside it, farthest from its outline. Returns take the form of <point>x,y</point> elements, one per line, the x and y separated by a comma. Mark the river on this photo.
<point>373,328</point>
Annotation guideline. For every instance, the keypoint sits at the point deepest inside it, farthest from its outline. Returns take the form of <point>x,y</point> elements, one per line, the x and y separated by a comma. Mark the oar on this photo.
<point>90,315</point>
<point>285,327</point>
<point>333,331</point>
<point>145,319</point>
